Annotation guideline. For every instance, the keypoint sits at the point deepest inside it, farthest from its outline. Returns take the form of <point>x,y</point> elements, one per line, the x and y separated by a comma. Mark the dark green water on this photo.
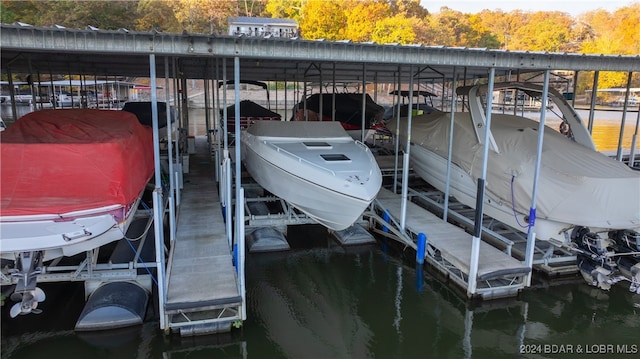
<point>332,302</point>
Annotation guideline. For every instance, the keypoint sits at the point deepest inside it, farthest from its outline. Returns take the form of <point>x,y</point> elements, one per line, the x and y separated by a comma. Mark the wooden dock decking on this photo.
<point>202,289</point>
<point>454,244</point>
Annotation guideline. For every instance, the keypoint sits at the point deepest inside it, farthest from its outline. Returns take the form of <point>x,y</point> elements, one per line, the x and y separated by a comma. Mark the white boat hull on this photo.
<point>56,238</point>
<point>333,193</point>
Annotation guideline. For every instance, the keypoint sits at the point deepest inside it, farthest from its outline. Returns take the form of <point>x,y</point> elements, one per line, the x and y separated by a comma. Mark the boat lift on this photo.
<point>466,264</point>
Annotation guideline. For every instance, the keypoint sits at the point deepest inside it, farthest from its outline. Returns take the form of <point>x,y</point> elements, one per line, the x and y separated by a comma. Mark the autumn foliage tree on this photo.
<point>323,20</point>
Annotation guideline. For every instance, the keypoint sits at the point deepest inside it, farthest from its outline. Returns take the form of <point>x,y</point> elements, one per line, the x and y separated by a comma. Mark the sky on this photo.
<point>573,7</point>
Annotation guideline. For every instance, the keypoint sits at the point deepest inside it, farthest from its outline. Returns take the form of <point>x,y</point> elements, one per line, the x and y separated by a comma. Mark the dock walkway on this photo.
<point>202,290</point>
<point>499,274</point>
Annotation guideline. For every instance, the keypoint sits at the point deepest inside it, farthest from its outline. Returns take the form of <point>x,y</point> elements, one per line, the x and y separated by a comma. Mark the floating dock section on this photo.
<point>117,303</point>
<point>202,285</point>
<point>448,249</point>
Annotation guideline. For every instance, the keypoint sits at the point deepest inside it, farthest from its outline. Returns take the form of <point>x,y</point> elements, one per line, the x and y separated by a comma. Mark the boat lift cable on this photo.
<point>146,267</point>
<point>144,233</point>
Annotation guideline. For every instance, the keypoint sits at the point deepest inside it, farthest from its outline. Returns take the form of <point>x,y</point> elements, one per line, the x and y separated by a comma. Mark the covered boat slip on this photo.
<point>449,249</point>
<point>202,294</point>
<point>202,285</point>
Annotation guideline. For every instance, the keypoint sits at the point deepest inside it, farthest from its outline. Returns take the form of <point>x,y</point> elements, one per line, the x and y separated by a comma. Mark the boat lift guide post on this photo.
<point>477,230</point>
<point>239,246</point>
<point>157,194</point>
<point>531,234</point>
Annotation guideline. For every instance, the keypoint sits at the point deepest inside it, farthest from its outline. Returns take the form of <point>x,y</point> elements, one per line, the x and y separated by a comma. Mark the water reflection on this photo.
<point>327,303</point>
<point>331,302</point>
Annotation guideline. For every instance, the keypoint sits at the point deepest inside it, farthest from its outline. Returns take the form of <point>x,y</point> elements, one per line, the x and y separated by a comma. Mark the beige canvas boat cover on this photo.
<point>576,185</point>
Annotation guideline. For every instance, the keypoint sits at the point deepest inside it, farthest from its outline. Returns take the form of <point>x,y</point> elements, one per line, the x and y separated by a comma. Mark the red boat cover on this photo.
<point>57,161</point>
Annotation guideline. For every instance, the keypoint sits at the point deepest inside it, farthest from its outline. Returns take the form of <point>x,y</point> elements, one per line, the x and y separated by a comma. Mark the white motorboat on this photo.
<point>582,196</point>
<point>71,181</point>
<point>315,166</point>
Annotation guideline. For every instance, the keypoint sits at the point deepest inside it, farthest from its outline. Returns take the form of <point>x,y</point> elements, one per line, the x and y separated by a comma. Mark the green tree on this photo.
<point>72,13</point>
<point>29,12</point>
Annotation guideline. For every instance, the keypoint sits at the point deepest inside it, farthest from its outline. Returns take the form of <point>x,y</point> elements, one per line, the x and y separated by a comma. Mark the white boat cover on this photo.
<point>576,185</point>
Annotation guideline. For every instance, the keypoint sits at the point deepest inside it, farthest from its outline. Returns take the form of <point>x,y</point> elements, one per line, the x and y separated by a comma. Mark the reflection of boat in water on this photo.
<point>71,181</point>
<point>315,166</point>
<point>578,187</point>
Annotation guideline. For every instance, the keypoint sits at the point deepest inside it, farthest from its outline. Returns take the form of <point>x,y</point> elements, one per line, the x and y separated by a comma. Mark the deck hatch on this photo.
<point>317,144</point>
<point>335,157</point>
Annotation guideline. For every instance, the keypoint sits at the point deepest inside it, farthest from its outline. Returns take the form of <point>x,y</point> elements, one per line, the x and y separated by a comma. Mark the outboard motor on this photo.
<point>594,258</point>
<point>626,244</point>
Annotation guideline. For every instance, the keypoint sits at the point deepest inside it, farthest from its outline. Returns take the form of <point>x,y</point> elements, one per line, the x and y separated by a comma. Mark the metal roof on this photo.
<point>30,49</point>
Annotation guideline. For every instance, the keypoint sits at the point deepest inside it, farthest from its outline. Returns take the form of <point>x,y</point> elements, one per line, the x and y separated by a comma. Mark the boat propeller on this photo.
<point>28,302</point>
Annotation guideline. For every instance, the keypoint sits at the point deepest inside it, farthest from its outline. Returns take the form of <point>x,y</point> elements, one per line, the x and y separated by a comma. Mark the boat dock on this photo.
<point>449,250</point>
<point>202,285</point>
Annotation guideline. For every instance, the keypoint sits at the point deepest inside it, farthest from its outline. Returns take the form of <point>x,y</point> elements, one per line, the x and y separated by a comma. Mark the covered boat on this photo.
<point>70,182</point>
<point>348,109</point>
<point>315,166</point>
<point>70,179</point>
<point>581,194</point>
<point>250,111</point>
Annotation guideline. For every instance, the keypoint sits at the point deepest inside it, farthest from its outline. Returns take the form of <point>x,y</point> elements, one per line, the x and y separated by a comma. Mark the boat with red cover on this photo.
<point>70,181</point>
<point>69,177</point>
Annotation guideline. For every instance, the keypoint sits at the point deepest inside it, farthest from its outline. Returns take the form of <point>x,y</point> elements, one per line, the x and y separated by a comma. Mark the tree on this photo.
<point>397,29</point>
<point>612,33</point>
<point>544,31</point>
<point>72,14</point>
<point>157,14</point>
<point>362,17</point>
<point>251,8</point>
<point>408,8</point>
<point>479,35</point>
<point>502,25</point>
<point>287,9</point>
<point>323,20</point>
<point>30,11</point>
<point>447,28</point>
<point>204,16</point>
<point>616,33</point>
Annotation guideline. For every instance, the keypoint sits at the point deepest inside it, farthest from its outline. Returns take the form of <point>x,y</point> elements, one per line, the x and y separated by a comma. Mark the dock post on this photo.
<point>422,242</point>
